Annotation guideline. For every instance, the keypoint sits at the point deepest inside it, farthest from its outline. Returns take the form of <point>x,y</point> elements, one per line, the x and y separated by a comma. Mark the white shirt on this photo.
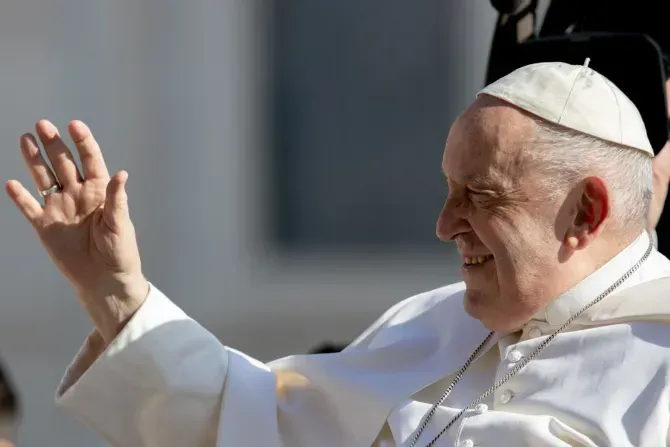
<point>165,381</point>
<point>489,368</point>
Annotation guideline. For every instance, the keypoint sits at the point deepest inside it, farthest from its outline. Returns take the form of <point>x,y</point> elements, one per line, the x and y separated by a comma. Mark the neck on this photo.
<point>574,272</point>
<point>597,275</point>
<point>585,262</point>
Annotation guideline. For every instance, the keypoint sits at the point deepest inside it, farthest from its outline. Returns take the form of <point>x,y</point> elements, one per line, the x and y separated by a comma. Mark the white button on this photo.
<point>514,356</point>
<point>534,333</point>
<point>506,396</point>
<point>467,443</point>
<point>481,408</point>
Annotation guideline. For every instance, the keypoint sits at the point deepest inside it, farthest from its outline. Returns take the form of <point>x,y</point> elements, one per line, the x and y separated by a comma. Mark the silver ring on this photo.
<point>50,190</point>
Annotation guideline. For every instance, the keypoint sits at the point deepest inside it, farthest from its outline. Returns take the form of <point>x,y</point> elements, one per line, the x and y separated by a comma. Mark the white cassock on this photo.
<point>605,381</point>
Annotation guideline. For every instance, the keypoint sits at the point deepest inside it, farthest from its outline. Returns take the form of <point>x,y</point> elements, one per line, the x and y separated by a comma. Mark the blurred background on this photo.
<point>284,161</point>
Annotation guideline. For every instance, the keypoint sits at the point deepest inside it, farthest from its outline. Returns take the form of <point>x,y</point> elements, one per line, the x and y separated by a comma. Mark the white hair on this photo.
<point>565,157</point>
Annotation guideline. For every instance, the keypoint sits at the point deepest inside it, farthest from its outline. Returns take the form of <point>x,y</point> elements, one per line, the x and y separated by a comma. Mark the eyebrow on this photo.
<point>477,180</point>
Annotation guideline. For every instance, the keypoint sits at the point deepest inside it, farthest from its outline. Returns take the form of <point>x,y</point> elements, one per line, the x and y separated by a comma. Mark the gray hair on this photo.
<point>566,157</point>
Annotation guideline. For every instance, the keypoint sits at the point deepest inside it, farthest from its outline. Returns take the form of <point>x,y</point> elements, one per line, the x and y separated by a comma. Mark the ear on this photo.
<point>593,207</point>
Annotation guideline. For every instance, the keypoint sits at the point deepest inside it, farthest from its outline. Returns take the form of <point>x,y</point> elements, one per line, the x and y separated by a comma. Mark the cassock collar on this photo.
<point>572,301</point>
<point>424,340</point>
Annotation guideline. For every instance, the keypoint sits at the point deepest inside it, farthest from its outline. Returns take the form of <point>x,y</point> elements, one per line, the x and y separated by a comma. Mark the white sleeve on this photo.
<point>165,381</point>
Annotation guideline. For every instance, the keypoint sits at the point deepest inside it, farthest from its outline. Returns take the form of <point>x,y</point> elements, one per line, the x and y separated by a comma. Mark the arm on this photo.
<point>166,381</point>
<point>149,375</point>
<point>660,181</point>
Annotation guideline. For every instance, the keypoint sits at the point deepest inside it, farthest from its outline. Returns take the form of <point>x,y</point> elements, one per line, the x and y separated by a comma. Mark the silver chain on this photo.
<point>518,367</point>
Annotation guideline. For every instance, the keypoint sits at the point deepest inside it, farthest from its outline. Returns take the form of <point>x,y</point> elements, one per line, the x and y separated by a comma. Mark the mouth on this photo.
<point>476,261</point>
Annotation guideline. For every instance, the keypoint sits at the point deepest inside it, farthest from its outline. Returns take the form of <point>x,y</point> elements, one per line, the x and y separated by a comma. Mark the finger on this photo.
<point>60,156</point>
<point>116,201</point>
<point>37,165</point>
<point>92,161</point>
<point>25,201</point>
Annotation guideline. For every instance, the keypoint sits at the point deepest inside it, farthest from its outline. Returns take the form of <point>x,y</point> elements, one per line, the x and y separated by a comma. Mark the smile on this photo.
<point>476,260</point>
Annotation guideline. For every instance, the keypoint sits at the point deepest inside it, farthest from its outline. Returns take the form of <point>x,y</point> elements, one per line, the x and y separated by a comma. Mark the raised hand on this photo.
<point>84,223</point>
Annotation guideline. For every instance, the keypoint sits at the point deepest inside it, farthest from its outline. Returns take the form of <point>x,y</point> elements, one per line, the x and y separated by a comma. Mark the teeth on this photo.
<point>476,259</point>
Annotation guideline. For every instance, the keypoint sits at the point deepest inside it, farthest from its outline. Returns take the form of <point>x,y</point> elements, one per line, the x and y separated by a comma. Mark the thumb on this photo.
<point>116,201</point>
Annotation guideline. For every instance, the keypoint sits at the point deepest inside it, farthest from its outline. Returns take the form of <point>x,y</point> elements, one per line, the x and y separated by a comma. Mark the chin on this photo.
<point>478,305</point>
<point>474,303</point>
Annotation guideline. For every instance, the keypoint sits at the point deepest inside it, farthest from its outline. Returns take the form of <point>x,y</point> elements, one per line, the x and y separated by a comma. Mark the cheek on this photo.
<point>516,243</point>
<point>496,235</point>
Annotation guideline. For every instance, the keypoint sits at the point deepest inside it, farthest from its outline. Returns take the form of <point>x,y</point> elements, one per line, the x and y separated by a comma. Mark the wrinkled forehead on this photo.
<point>488,138</point>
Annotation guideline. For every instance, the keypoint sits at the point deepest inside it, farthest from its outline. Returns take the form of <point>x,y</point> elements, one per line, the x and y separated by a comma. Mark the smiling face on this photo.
<point>509,232</point>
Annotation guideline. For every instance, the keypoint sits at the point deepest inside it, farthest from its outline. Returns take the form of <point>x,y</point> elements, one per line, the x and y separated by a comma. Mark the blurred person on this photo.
<point>518,22</point>
<point>558,335</point>
<point>9,410</point>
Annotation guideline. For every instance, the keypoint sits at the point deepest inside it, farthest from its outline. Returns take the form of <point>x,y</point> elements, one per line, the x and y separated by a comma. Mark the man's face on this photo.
<point>503,226</point>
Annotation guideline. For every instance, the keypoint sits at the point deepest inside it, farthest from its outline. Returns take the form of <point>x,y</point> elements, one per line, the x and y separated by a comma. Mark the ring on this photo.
<point>50,190</point>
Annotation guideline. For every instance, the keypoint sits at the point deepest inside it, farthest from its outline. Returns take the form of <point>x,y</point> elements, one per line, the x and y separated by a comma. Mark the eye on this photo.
<point>474,194</point>
<point>482,199</point>
<point>482,192</point>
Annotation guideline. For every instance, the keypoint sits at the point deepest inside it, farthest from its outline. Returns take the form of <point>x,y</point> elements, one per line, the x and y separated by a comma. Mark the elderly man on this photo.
<point>559,335</point>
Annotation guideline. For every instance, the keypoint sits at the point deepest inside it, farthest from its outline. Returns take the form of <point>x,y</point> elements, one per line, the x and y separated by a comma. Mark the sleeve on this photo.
<point>166,381</point>
<point>369,333</point>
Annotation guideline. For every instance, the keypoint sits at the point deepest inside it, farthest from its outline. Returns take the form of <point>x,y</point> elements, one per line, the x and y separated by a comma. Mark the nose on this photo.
<point>450,222</point>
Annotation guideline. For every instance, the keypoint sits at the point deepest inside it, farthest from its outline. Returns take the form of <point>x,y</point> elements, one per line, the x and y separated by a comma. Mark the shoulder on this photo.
<point>447,299</point>
<point>644,302</point>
